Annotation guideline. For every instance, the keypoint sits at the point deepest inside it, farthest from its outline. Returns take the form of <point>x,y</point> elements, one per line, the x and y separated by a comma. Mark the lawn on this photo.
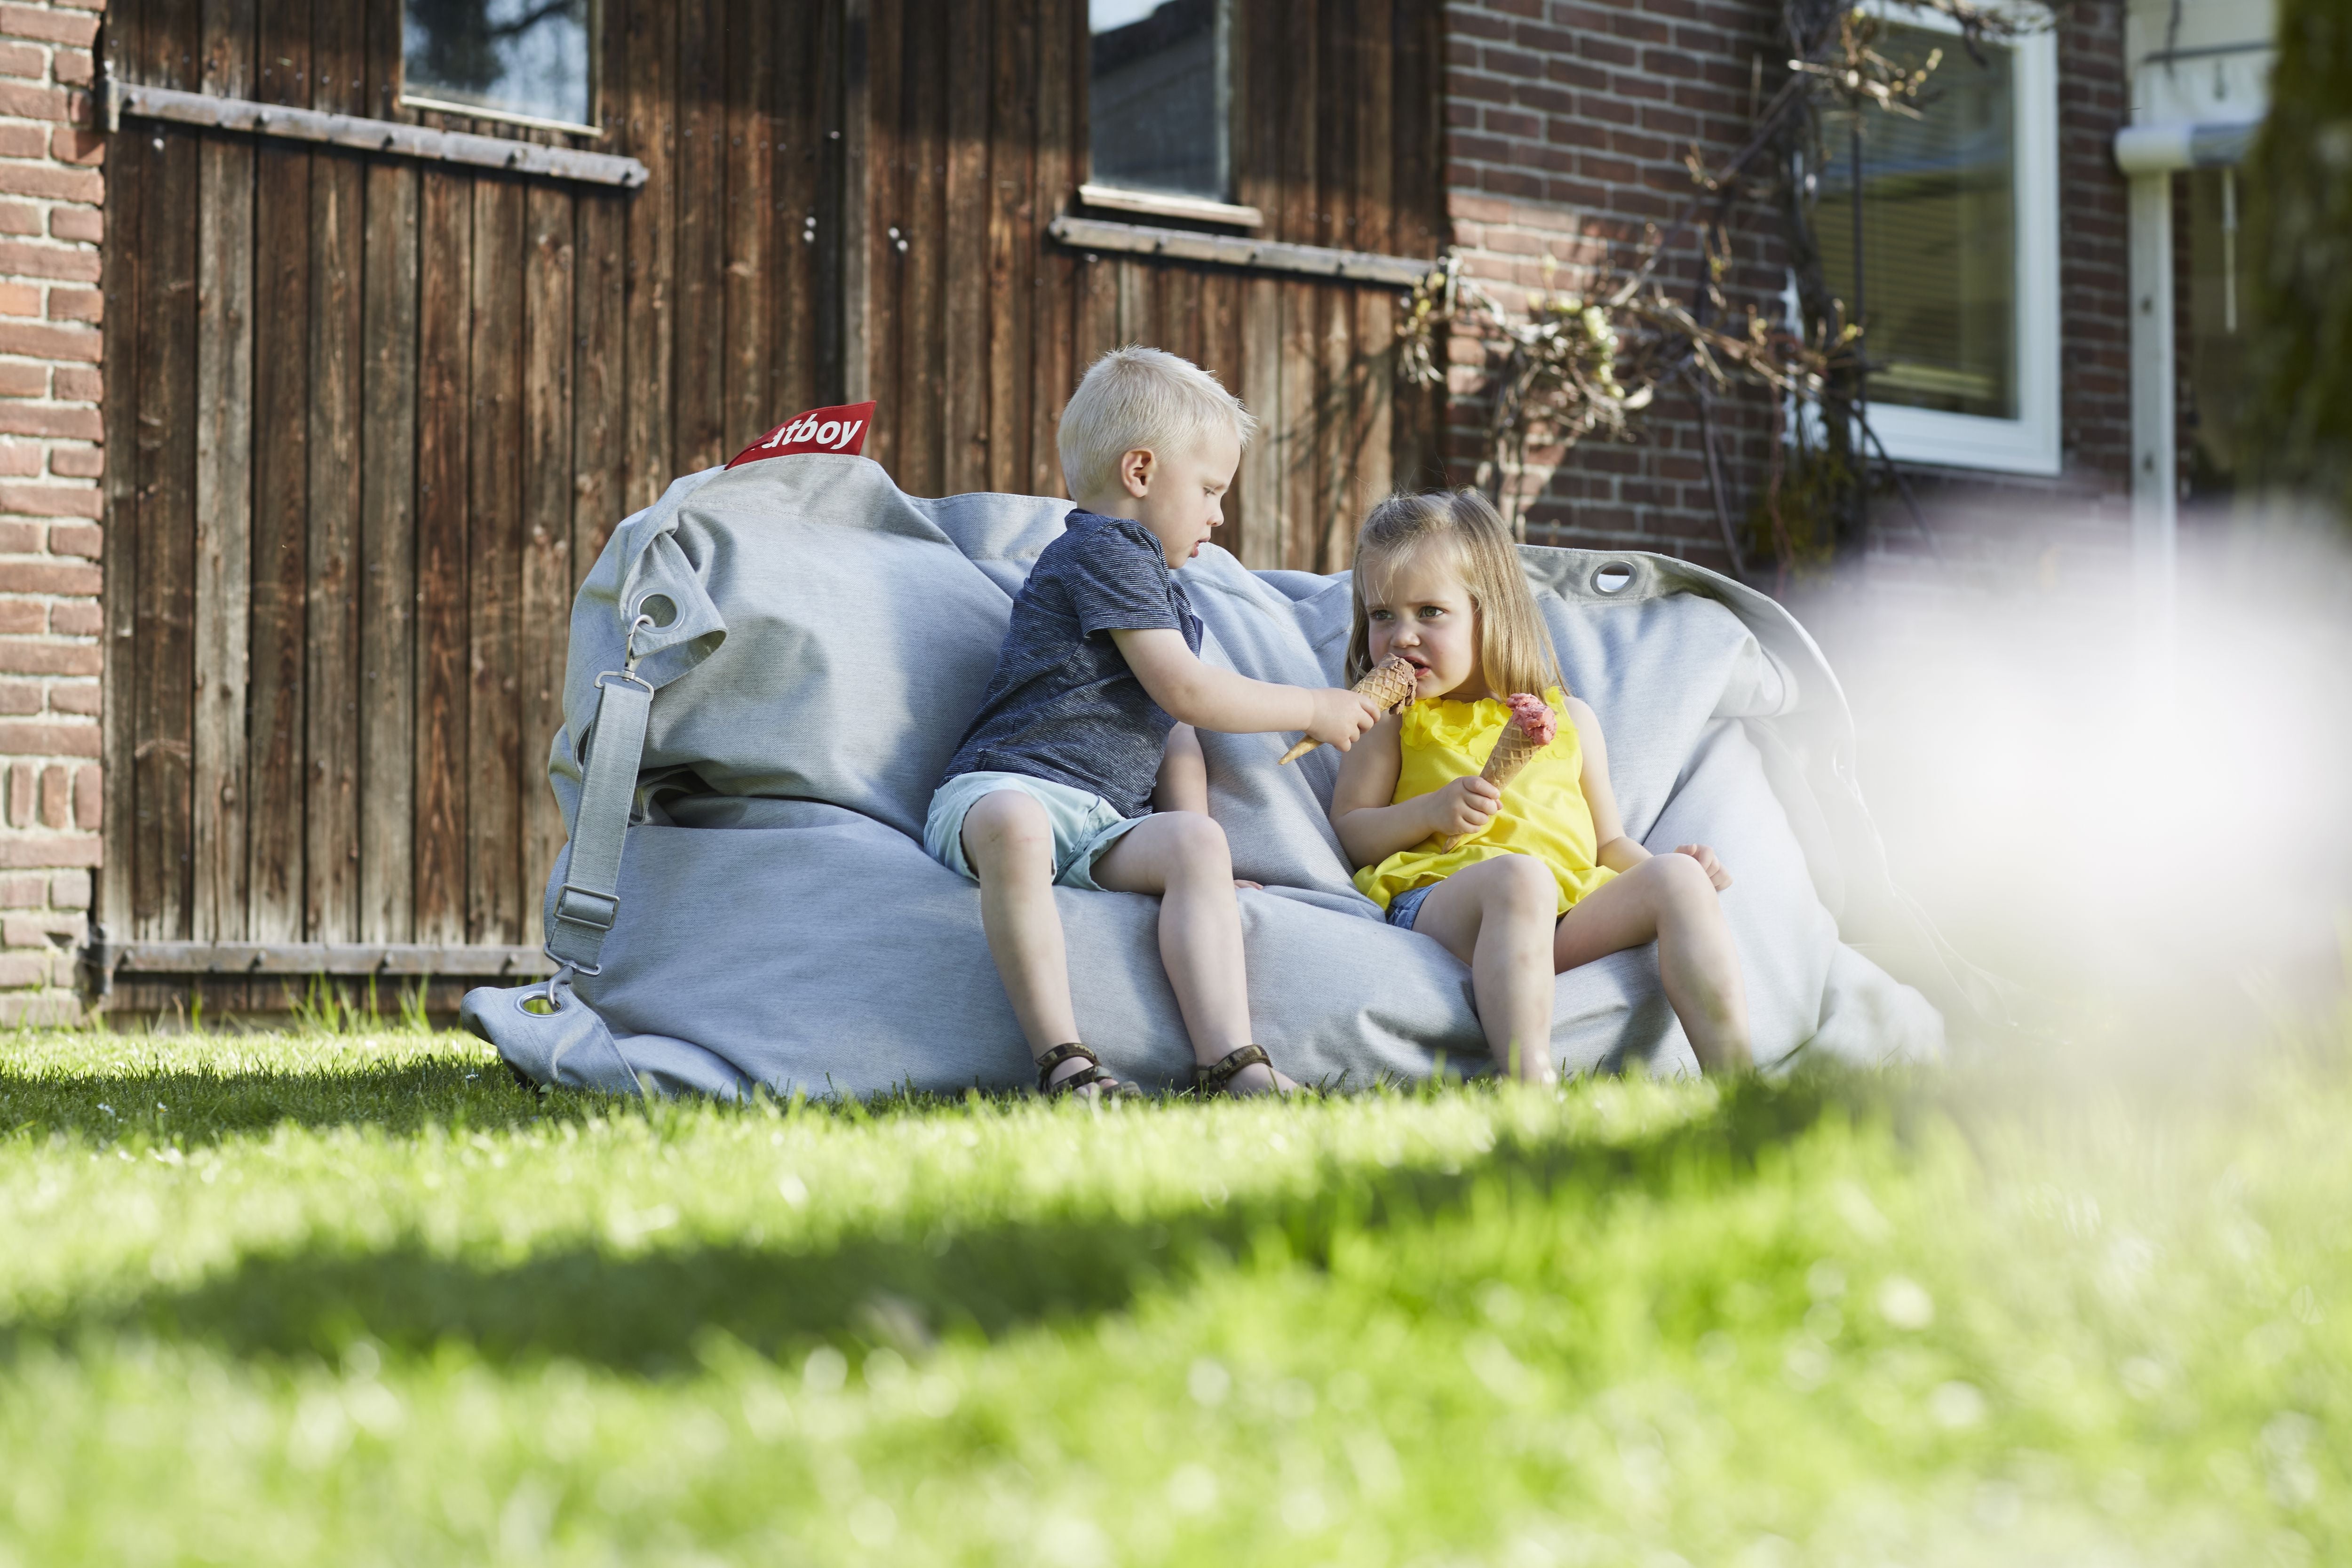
<point>355,1300</point>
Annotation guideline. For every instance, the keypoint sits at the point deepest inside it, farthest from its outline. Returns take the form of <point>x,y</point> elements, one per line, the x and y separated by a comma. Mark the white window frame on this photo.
<point>2028,444</point>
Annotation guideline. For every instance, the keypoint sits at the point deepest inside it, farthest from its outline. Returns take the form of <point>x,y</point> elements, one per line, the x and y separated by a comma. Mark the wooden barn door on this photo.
<point>369,421</point>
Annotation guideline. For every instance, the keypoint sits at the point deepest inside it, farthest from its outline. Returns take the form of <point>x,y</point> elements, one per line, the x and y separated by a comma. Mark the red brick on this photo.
<point>78,697</point>
<point>25,656</point>
<point>50,182</point>
<point>20,697</point>
<point>76,305</point>
<point>85,540</point>
<point>21,891</point>
<point>20,539</point>
<point>74,67</point>
<point>70,266</point>
<point>72,145</point>
<point>89,814</point>
<point>48,578</point>
<point>52,500</point>
<point>18,970</point>
<point>56,797</point>
<point>20,299</point>
<point>24,60</point>
<point>26,102</point>
<point>76,618</point>
<point>49,852</point>
<point>85,223</point>
<point>78,462</point>
<point>24,615</point>
<point>47,738</point>
<point>48,26</point>
<point>46,419</point>
<point>70,889</point>
<point>24,793</point>
<point>78,383</point>
<point>19,380</point>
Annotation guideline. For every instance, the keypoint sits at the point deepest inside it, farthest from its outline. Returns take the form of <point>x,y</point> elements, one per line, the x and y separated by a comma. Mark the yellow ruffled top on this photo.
<point>1544,811</point>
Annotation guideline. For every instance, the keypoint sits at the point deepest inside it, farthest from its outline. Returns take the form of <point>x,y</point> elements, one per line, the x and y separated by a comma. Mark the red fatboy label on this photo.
<point>839,429</point>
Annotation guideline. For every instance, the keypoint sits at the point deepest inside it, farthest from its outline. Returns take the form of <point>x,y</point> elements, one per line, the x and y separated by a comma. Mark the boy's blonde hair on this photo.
<point>1515,651</point>
<point>1138,397</point>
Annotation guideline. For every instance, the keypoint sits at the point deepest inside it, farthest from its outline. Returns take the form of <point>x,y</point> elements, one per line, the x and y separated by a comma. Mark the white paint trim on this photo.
<point>2028,444</point>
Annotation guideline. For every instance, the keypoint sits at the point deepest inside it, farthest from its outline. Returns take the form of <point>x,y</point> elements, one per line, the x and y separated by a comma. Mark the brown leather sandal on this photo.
<point>1217,1077</point>
<point>1091,1073</point>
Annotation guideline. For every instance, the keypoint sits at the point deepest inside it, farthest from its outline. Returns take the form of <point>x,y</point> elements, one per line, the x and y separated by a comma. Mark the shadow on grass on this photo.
<point>645,1311</point>
<point>194,1106</point>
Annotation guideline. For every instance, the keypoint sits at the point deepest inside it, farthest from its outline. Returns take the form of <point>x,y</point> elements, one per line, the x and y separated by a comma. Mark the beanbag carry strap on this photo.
<point>589,900</point>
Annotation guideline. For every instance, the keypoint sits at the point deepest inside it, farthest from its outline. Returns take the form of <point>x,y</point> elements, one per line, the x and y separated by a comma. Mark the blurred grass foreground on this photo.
<point>309,1298</point>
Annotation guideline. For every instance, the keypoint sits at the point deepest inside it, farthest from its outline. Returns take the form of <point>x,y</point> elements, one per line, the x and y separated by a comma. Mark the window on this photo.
<point>1160,98</point>
<point>521,60</point>
<point>1959,280</point>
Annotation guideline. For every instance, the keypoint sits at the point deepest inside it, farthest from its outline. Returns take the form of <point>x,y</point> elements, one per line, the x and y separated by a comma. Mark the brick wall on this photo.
<point>52,195</point>
<point>1567,123</point>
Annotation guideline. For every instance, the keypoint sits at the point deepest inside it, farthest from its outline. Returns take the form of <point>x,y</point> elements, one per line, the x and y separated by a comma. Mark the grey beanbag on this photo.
<point>826,638</point>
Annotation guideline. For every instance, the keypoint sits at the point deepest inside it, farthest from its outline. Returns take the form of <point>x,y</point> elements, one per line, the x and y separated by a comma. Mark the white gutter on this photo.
<point>2143,150</point>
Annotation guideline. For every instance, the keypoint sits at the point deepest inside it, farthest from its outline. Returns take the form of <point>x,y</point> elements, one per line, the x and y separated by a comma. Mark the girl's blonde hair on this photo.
<point>1515,651</point>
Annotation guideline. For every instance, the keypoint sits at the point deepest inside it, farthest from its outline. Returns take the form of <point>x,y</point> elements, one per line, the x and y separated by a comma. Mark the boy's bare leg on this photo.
<point>1669,898</point>
<point>1009,843</point>
<point>1182,857</point>
<point>1496,917</point>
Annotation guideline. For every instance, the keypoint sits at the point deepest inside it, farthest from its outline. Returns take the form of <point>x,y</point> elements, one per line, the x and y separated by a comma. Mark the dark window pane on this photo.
<point>512,56</point>
<point>1940,231</point>
<point>1157,96</point>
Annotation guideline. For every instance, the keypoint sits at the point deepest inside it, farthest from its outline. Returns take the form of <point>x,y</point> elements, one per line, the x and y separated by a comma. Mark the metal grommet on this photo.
<point>1612,577</point>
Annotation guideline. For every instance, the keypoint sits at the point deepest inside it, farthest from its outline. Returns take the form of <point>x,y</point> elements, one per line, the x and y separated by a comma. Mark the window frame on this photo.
<point>1110,196</point>
<point>595,131</point>
<point>2028,443</point>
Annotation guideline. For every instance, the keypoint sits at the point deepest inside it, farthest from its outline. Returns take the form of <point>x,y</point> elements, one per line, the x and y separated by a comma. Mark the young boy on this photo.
<point>1055,779</point>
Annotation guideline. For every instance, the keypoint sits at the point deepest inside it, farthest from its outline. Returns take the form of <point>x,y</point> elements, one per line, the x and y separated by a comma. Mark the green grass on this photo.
<point>319,1298</point>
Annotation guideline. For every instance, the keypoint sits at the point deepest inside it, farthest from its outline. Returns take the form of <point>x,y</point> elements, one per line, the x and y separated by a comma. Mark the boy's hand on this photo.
<point>1465,806</point>
<point>1706,857</point>
<point>1340,716</point>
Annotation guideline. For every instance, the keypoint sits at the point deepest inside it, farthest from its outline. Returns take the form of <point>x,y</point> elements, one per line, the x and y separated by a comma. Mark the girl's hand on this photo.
<point>1706,857</point>
<point>1341,715</point>
<point>1465,806</point>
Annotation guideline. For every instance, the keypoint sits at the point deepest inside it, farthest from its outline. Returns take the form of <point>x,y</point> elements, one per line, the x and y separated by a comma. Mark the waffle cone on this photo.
<point>1389,683</point>
<point>1513,750</point>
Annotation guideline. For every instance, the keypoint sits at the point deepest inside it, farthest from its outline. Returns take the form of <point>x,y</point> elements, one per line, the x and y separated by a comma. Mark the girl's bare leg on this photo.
<point>1669,898</point>
<point>1496,917</point>
<point>1182,857</point>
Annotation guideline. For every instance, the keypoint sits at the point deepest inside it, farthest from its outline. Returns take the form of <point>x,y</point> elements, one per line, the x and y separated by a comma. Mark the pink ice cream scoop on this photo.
<point>1534,717</point>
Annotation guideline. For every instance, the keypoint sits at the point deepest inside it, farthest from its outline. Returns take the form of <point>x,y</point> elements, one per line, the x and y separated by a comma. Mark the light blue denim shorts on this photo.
<point>1085,824</point>
<point>1405,907</point>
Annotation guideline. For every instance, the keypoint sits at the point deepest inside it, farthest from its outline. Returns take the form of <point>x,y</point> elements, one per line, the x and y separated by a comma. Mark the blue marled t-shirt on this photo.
<point>1063,704</point>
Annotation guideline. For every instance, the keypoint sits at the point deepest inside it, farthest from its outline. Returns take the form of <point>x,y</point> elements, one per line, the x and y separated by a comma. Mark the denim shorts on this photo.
<point>1406,906</point>
<point>1085,826</point>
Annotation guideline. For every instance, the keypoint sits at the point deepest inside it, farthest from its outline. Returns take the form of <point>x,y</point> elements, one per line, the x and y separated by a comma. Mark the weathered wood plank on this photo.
<point>1301,344</point>
<point>600,393</point>
<point>135,165</point>
<point>1060,89</point>
<point>748,399</point>
<point>1133,318</point>
<point>1264,544</point>
<point>852,252</point>
<point>445,418</point>
<point>494,551</point>
<point>224,483</point>
<point>1012,241</point>
<point>799,142</point>
<point>698,412</point>
<point>541,631</point>
<point>921,409</point>
<point>276,699</point>
<point>332,671</point>
<point>389,333</point>
<point>886,224</point>
<point>964,369</point>
<point>648,69</point>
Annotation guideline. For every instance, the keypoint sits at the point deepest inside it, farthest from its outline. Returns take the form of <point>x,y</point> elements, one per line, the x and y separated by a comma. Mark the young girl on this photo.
<point>1546,878</point>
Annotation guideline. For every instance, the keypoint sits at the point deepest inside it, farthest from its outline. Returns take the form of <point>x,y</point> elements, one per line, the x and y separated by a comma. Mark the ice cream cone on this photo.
<point>1389,683</point>
<point>1532,728</point>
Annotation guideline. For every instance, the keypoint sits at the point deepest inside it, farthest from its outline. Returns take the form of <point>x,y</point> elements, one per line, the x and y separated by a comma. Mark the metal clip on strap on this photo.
<point>589,902</point>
